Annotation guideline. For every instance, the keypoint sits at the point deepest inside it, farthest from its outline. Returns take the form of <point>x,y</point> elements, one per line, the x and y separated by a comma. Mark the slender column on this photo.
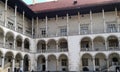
<point>5,16</point>
<point>15,18</point>
<point>46,47</point>
<point>14,46</point>
<point>104,20</point>
<point>57,63</point>
<point>94,63</point>
<point>37,27</point>
<point>56,24</point>
<point>32,27</point>
<point>79,22</point>
<point>22,65</point>
<point>117,18</point>
<point>23,22</point>
<point>67,24</point>
<point>57,46</point>
<point>46,64</point>
<point>3,59</point>
<point>22,45</point>
<point>4,40</point>
<point>93,45</point>
<point>107,64</point>
<point>106,44</point>
<point>91,23</point>
<point>13,64</point>
<point>46,25</point>
<point>80,64</point>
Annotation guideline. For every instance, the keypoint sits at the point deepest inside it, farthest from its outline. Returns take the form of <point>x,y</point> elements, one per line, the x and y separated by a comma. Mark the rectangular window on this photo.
<point>63,31</point>
<point>97,62</point>
<point>111,28</point>
<point>85,61</point>
<point>64,62</point>
<point>84,28</point>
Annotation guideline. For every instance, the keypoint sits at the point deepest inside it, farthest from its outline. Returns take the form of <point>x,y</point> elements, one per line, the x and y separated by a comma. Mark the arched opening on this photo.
<point>9,40</point>
<point>114,59</point>
<point>86,44</point>
<point>52,63</point>
<point>63,45</point>
<point>113,43</point>
<point>18,59</point>
<point>41,46</point>
<point>9,61</point>
<point>63,63</point>
<point>99,43</point>
<point>87,62</point>
<point>26,45</point>
<point>19,43</point>
<point>1,37</point>
<point>26,63</point>
<point>51,46</point>
<point>100,62</point>
<point>41,66</point>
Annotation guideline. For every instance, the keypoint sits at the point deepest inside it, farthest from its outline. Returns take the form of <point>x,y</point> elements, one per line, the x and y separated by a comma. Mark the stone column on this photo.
<point>22,45</point>
<point>57,47</point>
<point>104,20</point>
<point>93,63</point>
<point>21,65</point>
<point>32,27</point>
<point>13,64</point>
<point>4,40</point>
<point>91,22</point>
<point>46,25</point>
<point>15,18</point>
<point>107,64</point>
<point>79,23</point>
<point>5,15</point>
<point>46,64</point>
<point>67,24</point>
<point>3,59</point>
<point>23,22</point>
<point>106,44</point>
<point>14,44</point>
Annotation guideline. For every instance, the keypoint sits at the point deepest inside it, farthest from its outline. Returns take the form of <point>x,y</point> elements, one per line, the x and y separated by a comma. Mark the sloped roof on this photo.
<point>63,4</point>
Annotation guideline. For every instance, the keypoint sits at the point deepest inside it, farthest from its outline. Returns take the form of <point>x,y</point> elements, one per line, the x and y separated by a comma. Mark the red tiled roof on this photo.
<point>62,4</point>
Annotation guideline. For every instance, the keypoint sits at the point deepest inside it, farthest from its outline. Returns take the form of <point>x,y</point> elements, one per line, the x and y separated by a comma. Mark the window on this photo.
<point>63,45</point>
<point>64,62</point>
<point>63,31</point>
<point>43,31</point>
<point>97,62</point>
<point>111,28</point>
<point>85,61</point>
<point>43,46</point>
<point>84,28</point>
<point>85,44</point>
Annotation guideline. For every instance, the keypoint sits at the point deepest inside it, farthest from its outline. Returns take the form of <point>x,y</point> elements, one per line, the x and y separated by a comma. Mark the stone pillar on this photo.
<point>93,46</point>
<point>56,24</point>
<point>3,59</point>
<point>46,48</point>
<point>15,18</point>
<point>107,64</point>
<point>4,41</point>
<point>14,44</point>
<point>93,63</point>
<point>67,24</point>
<point>37,27</point>
<point>106,44</point>
<point>57,47</point>
<point>91,22</point>
<point>23,22</point>
<point>46,25</point>
<point>46,64</point>
<point>79,23</point>
<point>5,15</point>
<point>22,45</point>
<point>56,64</point>
<point>13,64</point>
<point>117,19</point>
<point>104,20</point>
<point>21,65</point>
<point>32,27</point>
